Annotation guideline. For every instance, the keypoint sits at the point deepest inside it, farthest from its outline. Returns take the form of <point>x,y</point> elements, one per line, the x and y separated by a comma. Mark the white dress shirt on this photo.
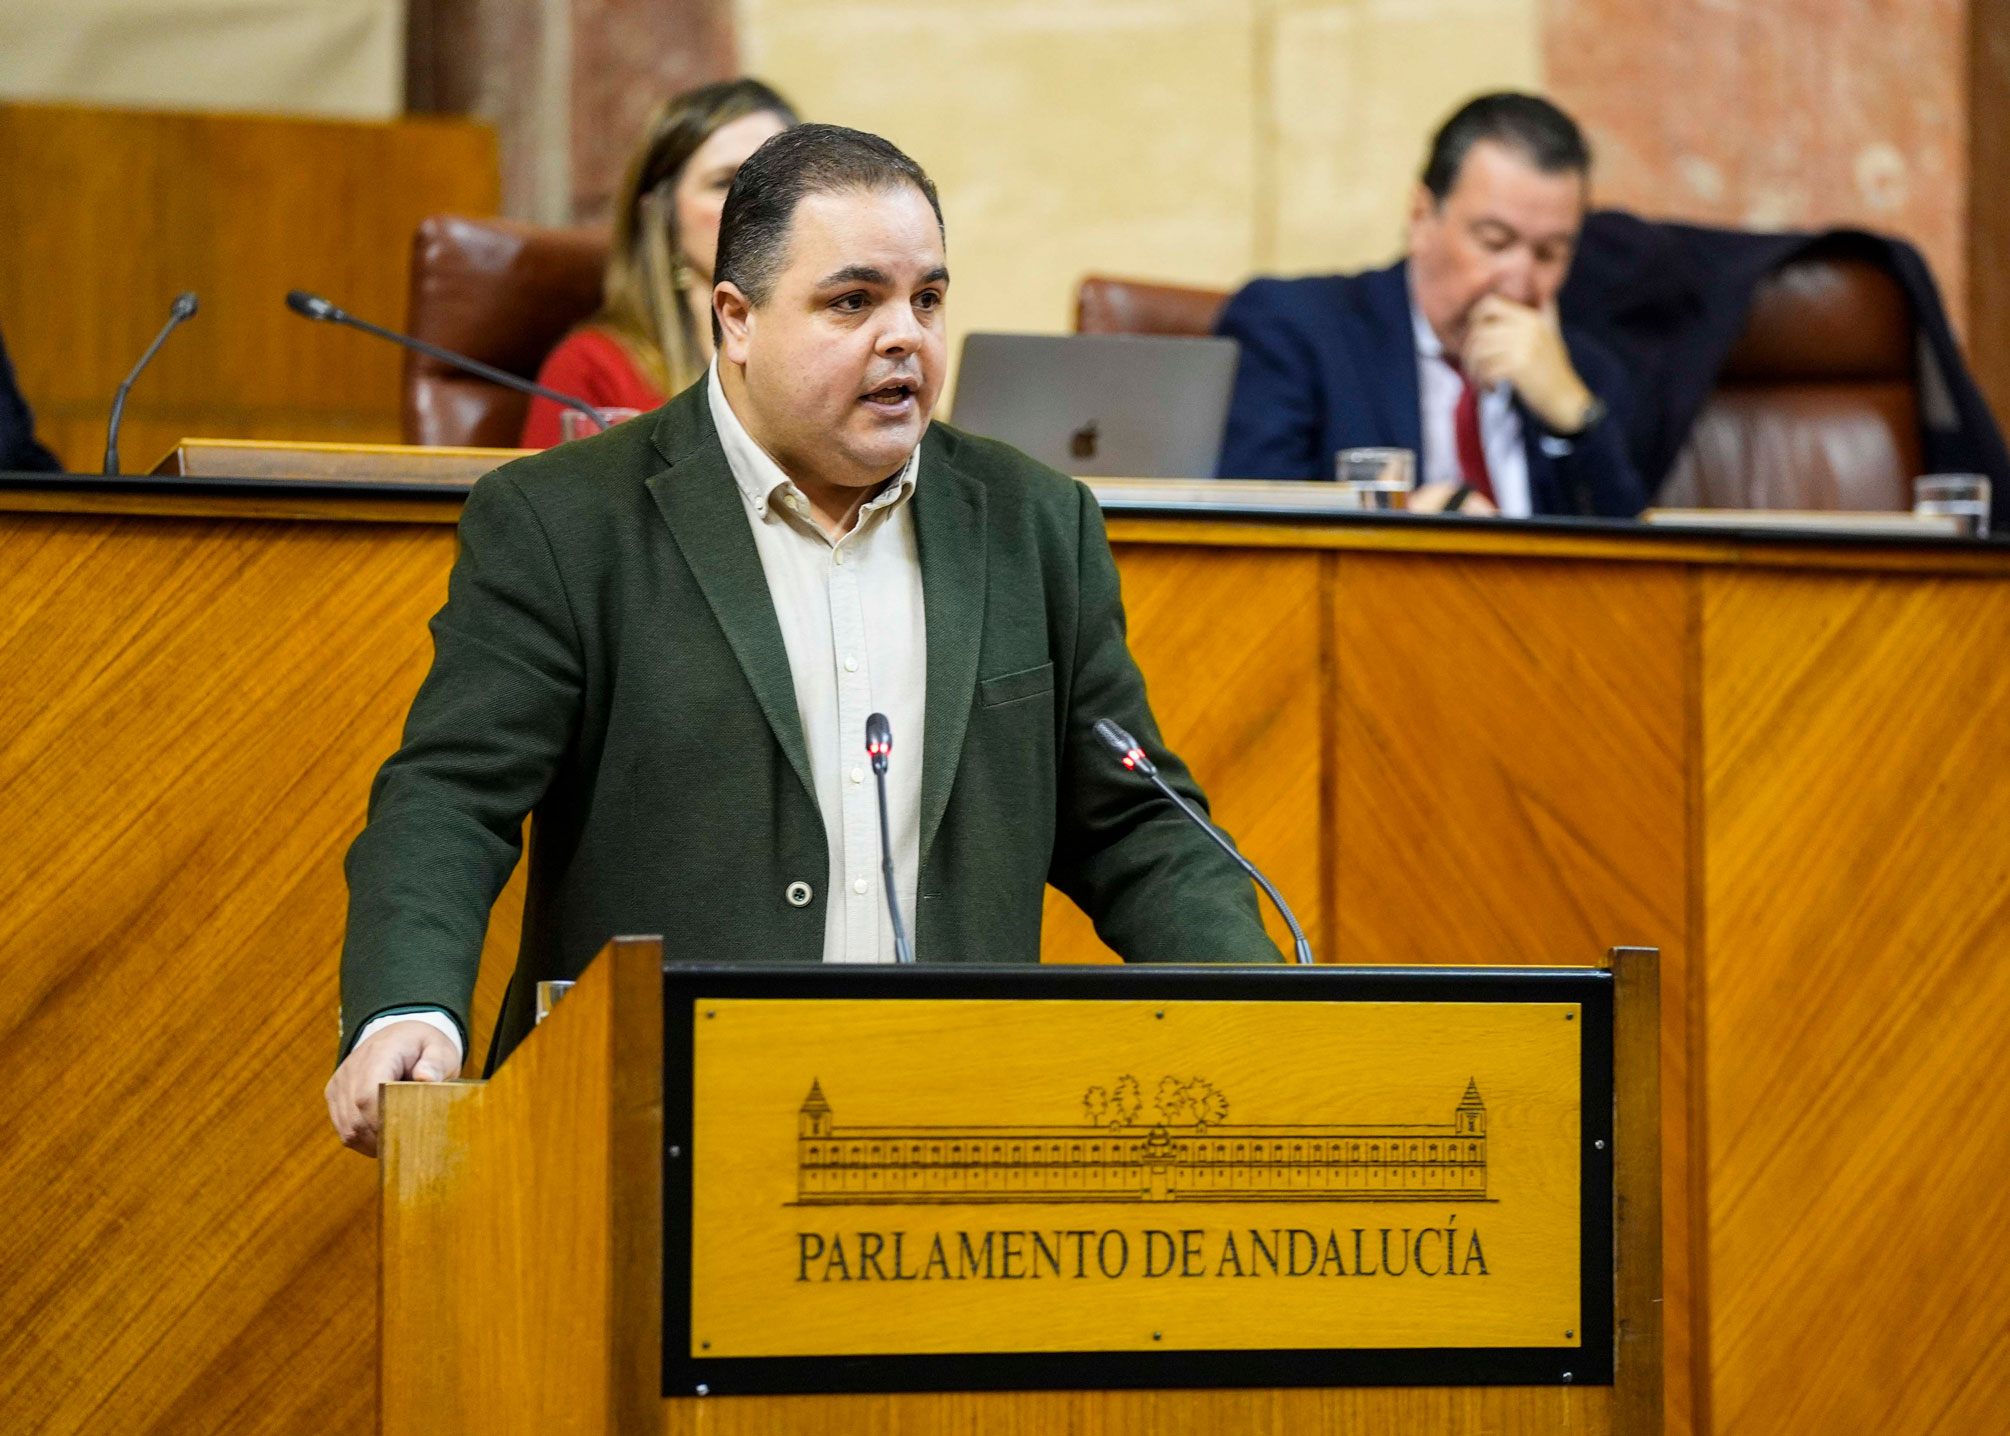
<point>844,668</point>
<point>1438,389</point>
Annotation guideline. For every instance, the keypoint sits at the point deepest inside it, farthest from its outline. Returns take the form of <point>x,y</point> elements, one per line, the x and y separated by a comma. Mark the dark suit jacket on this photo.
<point>18,449</point>
<point>1330,363</point>
<point>609,656</point>
<point>1672,301</point>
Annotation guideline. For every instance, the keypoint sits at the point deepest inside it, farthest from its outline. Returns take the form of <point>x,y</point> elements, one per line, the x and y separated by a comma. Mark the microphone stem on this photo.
<point>475,366</point>
<point>1303,949</point>
<point>901,951</point>
<point>119,399</point>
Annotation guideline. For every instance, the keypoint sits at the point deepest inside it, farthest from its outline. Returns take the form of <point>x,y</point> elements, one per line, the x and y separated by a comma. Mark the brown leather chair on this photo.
<point>501,292</point>
<point>1131,306</point>
<point>1818,405</point>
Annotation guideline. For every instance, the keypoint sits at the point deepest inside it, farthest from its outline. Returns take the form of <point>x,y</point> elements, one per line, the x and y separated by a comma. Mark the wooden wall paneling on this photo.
<point>1511,743</point>
<point>1857,993</point>
<point>113,212</point>
<point>190,715</point>
<point>1231,644</point>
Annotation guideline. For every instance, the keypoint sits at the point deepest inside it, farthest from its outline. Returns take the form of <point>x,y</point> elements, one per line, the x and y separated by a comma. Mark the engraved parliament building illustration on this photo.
<point>1189,1154</point>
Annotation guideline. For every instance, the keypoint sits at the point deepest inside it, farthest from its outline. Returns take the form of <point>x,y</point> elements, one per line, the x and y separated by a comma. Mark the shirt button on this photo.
<point>859,885</point>
<point>837,557</point>
<point>858,775</point>
<point>850,664</point>
<point>799,894</point>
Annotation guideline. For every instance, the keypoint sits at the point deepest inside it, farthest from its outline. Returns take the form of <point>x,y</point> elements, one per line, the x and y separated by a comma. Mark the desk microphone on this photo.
<point>313,306</point>
<point>183,308</point>
<point>878,745</point>
<point>1133,757</point>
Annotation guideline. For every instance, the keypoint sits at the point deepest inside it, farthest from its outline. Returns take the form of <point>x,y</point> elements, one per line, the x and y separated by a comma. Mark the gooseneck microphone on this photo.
<point>878,747</point>
<point>183,308</point>
<point>1133,757</point>
<point>313,306</point>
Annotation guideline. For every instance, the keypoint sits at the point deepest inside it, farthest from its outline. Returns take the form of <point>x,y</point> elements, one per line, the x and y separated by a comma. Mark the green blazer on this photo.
<point>609,660</point>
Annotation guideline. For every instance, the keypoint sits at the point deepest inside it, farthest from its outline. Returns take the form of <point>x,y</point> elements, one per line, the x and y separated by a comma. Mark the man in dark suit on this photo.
<point>1455,353</point>
<point>664,641</point>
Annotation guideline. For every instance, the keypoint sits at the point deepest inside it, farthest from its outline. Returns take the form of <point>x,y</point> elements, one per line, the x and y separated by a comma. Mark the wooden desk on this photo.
<point>1780,762</point>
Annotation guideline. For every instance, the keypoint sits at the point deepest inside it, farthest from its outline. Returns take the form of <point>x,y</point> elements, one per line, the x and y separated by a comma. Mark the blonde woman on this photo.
<point>653,334</point>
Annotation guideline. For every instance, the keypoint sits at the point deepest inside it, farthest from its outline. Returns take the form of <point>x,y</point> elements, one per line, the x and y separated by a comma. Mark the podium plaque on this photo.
<point>958,1178</point>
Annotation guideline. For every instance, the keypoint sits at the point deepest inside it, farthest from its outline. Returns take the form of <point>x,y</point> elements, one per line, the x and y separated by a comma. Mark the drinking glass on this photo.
<point>1375,478</point>
<point>572,424</point>
<point>548,995</point>
<point>1964,496</point>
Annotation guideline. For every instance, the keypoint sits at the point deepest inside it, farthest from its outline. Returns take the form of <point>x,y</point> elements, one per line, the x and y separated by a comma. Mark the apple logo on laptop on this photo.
<point>1082,443</point>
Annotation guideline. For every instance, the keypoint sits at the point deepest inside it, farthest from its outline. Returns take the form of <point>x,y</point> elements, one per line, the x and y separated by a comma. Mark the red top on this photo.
<point>588,364</point>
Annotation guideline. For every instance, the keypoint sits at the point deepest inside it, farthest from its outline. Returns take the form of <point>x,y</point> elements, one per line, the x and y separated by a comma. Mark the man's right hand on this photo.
<point>401,1052</point>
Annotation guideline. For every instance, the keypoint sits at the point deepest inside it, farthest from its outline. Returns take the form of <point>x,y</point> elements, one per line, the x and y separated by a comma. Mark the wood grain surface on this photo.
<point>1781,765</point>
<point>522,1225</point>
<point>1512,753</point>
<point>1361,1411</point>
<point>781,1268</point>
<point>190,714</point>
<point>1233,649</point>
<point>509,1308</point>
<point>333,463</point>
<point>117,211</point>
<point>1856,1000</point>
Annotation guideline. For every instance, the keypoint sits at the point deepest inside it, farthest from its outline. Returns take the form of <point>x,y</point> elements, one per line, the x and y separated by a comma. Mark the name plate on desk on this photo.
<point>941,1178</point>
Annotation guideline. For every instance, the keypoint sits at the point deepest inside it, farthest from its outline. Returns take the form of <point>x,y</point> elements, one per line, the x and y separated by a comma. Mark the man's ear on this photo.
<point>1423,205</point>
<point>736,320</point>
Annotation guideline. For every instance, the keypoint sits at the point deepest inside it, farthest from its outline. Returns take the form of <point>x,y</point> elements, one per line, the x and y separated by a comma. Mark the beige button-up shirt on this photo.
<point>852,621</point>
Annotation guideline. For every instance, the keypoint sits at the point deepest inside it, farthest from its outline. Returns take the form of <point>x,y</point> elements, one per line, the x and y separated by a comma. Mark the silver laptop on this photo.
<point>1100,405</point>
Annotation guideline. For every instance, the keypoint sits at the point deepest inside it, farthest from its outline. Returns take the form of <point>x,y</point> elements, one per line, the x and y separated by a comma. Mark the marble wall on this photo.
<point>1777,113</point>
<point>1196,141</point>
<point>1206,140</point>
<point>566,83</point>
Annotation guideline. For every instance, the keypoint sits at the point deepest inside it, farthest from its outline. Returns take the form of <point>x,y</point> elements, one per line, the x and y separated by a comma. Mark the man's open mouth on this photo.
<point>893,393</point>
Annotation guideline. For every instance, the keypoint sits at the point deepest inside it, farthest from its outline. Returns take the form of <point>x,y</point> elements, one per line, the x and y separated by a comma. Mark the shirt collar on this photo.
<point>1420,328</point>
<point>761,479</point>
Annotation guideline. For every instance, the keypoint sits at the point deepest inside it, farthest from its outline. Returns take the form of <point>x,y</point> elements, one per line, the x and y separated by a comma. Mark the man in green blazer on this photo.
<point>662,643</point>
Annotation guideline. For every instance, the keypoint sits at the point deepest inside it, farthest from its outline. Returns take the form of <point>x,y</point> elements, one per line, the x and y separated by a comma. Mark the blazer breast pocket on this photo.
<point>1015,687</point>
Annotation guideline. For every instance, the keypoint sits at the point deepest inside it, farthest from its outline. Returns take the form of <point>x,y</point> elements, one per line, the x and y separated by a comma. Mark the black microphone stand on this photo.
<point>183,308</point>
<point>313,306</point>
<point>878,745</point>
<point>1133,757</point>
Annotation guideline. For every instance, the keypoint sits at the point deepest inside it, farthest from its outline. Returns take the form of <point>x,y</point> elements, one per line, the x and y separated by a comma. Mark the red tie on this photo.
<point>1466,432</point>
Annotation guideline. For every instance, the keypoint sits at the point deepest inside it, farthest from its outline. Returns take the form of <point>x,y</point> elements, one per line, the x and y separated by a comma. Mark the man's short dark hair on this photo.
<point>805,160</point>
<point>1527,124</point>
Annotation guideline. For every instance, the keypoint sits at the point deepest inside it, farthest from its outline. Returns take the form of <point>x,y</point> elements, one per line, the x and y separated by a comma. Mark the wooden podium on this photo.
<point>782,1199</point>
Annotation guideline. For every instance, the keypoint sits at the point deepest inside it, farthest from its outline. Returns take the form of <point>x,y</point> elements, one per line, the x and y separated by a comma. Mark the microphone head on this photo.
<point>878,740</point>
<point>310,306</point>
<point>1125,747</point>
<point>184,304</point>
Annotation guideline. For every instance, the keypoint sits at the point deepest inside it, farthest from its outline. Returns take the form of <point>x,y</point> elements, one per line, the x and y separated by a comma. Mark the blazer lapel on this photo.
<point>1386,317</point>
<point>700,502</point>
<point>949,529</point>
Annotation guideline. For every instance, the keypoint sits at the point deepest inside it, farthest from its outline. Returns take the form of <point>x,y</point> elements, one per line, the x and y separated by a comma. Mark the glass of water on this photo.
<point>1963,496</point>
<point>573,425</point>
<point>1375,478</point>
